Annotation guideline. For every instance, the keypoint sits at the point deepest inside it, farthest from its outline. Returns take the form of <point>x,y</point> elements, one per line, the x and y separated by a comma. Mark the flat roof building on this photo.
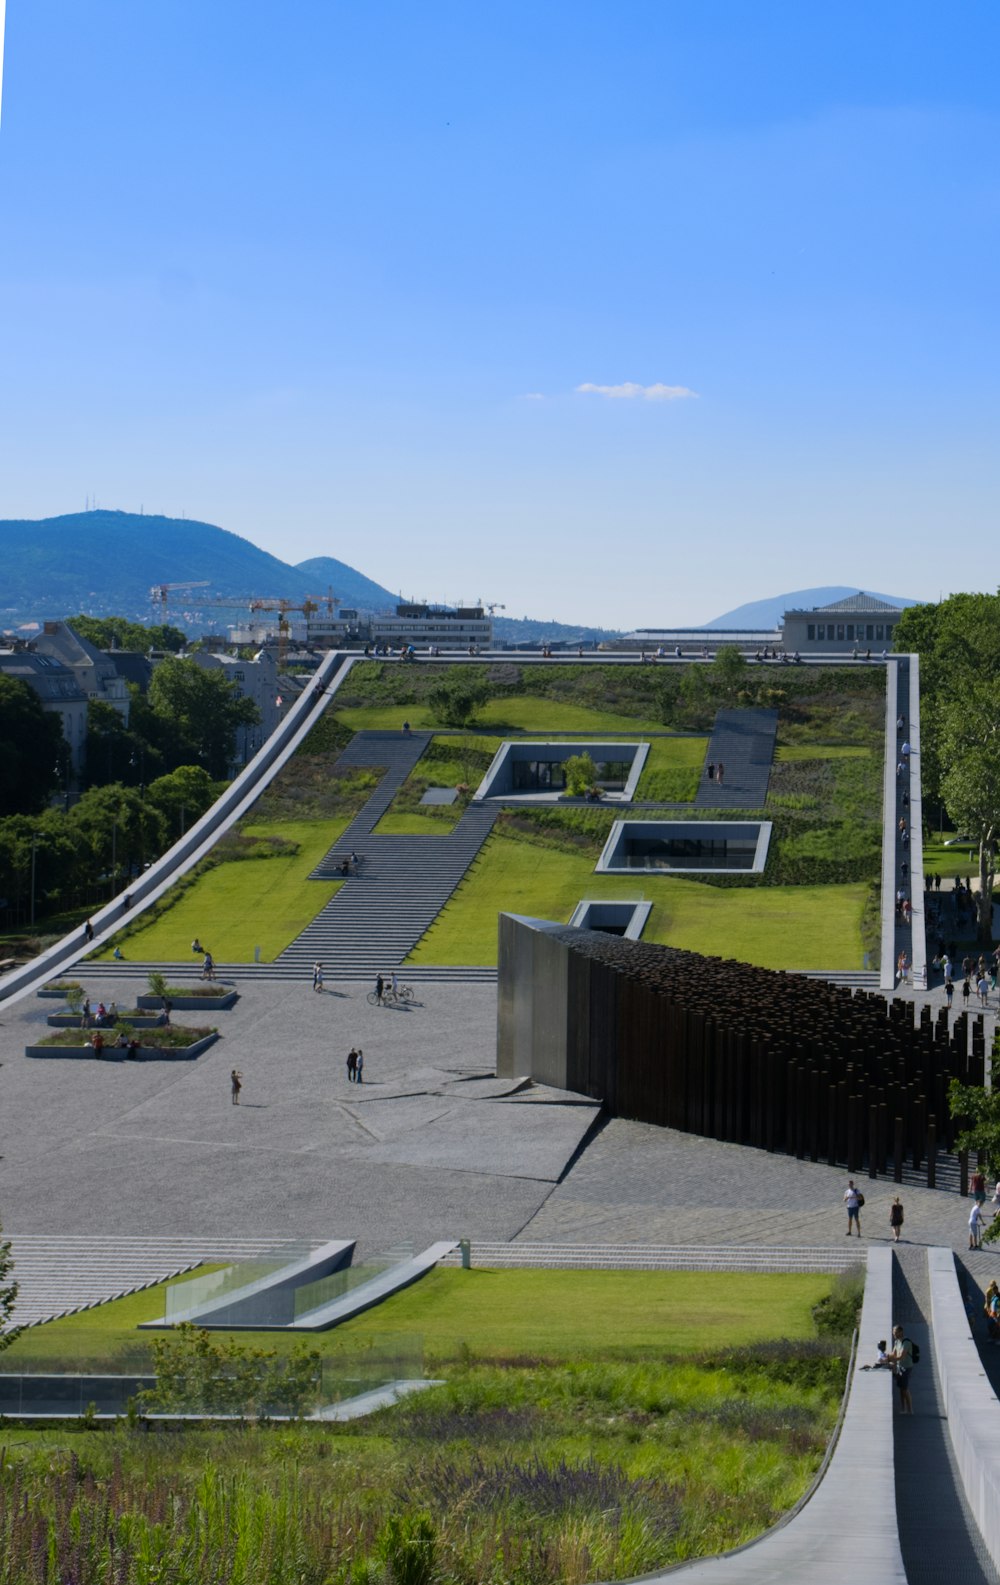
<point>860,622</point>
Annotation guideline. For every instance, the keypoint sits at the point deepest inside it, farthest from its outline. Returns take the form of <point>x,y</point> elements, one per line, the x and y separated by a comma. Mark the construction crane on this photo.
<point>161,592</point>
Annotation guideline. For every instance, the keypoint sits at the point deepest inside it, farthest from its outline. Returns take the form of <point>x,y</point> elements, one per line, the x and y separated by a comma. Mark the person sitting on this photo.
<point>133,1047</point>
<point>991,1310</point>
<point>102,1013</point>
<point>196,946</point>
<point>117,954</point>
<point>122,1042</point>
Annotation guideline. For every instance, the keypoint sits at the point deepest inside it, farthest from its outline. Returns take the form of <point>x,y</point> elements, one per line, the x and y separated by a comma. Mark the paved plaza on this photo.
<point>430,1146</point>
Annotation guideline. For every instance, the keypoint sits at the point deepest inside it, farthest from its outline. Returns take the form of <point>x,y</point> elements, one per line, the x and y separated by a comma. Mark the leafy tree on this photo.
<point>969,738</point>
<point>121,828</point>
<point>182,797</point>
<point>979,1110</point>
<point>31,748</point>
<point>580,773</point>
<point>198,715</point>
<point>117,632</point>
<point>728,674</point>
<point>456,701</point>
<point>8,1294</point>
<point>198,1372</point>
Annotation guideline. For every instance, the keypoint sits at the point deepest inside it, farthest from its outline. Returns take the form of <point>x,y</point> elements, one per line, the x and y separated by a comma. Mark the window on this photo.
<point>840,631</point>
<point>850,631</point>
<point>810,631</point>
<point>870,632</point>
<point>879,630</point>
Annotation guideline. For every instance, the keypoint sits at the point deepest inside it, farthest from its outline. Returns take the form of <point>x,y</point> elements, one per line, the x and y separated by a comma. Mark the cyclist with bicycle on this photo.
<point>379,988</point>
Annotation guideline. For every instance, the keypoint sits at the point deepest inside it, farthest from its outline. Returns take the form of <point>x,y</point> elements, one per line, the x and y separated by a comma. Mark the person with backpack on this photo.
<point>854,1200</point>
<point>904,1356</point>
<point>896,1218</point>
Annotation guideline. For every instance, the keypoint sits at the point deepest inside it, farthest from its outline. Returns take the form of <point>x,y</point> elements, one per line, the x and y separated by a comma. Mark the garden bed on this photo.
<point>213,999</point>
<point>171,1045</point>
<point>132,1016</point>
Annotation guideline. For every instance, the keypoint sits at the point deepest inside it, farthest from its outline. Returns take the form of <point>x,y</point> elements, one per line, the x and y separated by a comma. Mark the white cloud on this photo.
<point>630,391</point>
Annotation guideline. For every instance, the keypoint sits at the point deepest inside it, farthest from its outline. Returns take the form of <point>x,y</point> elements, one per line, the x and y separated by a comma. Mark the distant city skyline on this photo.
<point>612,315</point>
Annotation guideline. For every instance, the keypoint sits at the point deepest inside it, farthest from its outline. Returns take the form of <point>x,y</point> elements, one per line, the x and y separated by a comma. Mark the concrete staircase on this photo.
<point>524,1254</point>
<point>744,742</point>
<point>377,917</point>
<point>58,1276</point>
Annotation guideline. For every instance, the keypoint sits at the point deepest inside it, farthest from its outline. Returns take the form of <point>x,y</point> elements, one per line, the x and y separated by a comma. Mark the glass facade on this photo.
<point>549,775</point>
<point>690,852</point>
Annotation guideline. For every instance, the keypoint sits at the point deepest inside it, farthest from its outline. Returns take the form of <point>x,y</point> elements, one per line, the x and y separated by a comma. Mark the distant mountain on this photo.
<point>768,613</point>
<point>104,563</point>
<point>350,588</point>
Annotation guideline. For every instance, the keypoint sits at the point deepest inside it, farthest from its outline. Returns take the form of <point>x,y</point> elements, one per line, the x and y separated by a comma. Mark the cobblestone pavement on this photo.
<point>642,1184</point>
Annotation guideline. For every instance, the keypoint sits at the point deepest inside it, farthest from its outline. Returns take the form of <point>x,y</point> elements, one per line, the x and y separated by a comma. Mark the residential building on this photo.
<point>59,691</point>
<point>94,670</point>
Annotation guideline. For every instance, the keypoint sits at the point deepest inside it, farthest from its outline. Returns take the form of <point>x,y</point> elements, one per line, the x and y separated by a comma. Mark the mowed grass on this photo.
<point>789,753</point>
<point>949,862</point>
<point>794,927</point>
<point>522,713</point>
<point>245,903</point>
<point>567,1316</point>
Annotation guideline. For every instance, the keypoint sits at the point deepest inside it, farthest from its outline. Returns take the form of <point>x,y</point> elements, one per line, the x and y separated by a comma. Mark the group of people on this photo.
<point>355,1065</point>
<point>127,1043</point>
<point>716,771</point>
<point>101,1018</point>
<point>208,965</point>
<point>900,1359</point>
<point>854,1201</point>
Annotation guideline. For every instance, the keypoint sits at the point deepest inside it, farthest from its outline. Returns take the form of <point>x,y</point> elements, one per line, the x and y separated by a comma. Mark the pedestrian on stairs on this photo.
<point>720,771</point>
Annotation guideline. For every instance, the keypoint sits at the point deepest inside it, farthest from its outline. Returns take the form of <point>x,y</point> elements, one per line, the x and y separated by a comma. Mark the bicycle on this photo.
<point>402,993</point>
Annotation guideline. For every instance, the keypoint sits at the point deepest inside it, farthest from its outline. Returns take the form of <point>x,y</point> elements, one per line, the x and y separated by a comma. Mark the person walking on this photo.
<point>949,991</point>
<point>896,1218</point>
<point>208,967</point>
<point>854,1200</point>
<point>710,770</point>
<point>720,773</point>
<point>902,1365</point>
<point>360,1068</point>
<point>379,988</point>
<point>235,1085</point>
<point>317,976</point>
<point>983,987</point>
<point>352,1065</point>
<point>976,1226</point>
<point>88,931</point>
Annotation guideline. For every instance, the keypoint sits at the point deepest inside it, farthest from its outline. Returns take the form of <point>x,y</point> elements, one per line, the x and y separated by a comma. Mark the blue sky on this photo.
<point>333,275</point>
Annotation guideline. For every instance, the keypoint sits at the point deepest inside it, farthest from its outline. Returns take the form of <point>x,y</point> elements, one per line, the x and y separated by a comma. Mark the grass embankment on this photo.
<point>795,927</point>
<point>593,1425</point>
<point>962,859</point>
<point>239,905</point>
<point>505,717</point>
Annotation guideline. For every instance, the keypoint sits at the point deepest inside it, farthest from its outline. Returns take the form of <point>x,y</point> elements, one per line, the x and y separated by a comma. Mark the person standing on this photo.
<point>854,1200</point>
<point>949,990</point>
<point>88,931</point>
<point>977,1188</point>
<point>235,1085</point>
<point>720,772</point>
<point>360,1067</point>
<point>976,1226</point>
<point>379,988</point>
<point>710,770</point>
<point>352,1065</point>
<point>317,976</point>
<point>208,967</point>
<point>902,1364</point>
<point>896,1218</point>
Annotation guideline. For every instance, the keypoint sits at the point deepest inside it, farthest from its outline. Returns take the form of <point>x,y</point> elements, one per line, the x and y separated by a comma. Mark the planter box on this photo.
<point>75,1021</point>
<point>192,1004</point>
<point>112,1054</point>
<point>52,996</point>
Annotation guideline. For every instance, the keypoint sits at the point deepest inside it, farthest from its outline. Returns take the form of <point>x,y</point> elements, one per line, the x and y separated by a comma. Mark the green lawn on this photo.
<point>673,769</point>
<point>788,753</point>
<point>523,713</point>
<point>564,1315</point>
<point>243,904</point>
<point>415,825</point>
<point>949,862</point>
<point>795,927</point>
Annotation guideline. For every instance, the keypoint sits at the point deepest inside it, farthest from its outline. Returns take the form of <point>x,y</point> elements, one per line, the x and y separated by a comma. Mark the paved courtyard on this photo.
<point>428,1147</point>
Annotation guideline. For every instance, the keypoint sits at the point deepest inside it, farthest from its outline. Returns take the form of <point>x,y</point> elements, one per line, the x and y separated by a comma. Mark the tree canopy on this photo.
<point>198,714</point>
<point>117,632</point>
<point>32,748</point>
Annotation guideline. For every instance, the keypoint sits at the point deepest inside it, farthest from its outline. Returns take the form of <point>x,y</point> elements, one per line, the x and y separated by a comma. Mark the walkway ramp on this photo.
<point>376,918</point>
<point>845,1532</point>
<point>743,741</point>
<point>971,1410</point>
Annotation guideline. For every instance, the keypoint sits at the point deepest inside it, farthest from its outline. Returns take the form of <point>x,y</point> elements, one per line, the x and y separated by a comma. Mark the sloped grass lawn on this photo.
<point>789,753</point>
<point>592,1425</point>
<point>775,927</point>
<point>519,713</point>
<point>241,904</point>
<point>950,861</point>
<point>673,769</point>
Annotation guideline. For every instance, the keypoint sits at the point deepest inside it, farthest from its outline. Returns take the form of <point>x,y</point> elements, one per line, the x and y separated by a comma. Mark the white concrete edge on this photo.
<point>238,797</point>
<point>887,964</point>
<point>971,1407</point>
<point>380,1287</point>
<point>301,1267</point>
<point>918,927</point>
<point>845,1527</point>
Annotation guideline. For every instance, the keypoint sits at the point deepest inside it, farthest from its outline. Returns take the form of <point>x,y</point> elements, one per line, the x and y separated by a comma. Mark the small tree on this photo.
<point>157,983</point>
<point>8,1294</point>
<point>580,773</point>
<point>979,1110</point>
